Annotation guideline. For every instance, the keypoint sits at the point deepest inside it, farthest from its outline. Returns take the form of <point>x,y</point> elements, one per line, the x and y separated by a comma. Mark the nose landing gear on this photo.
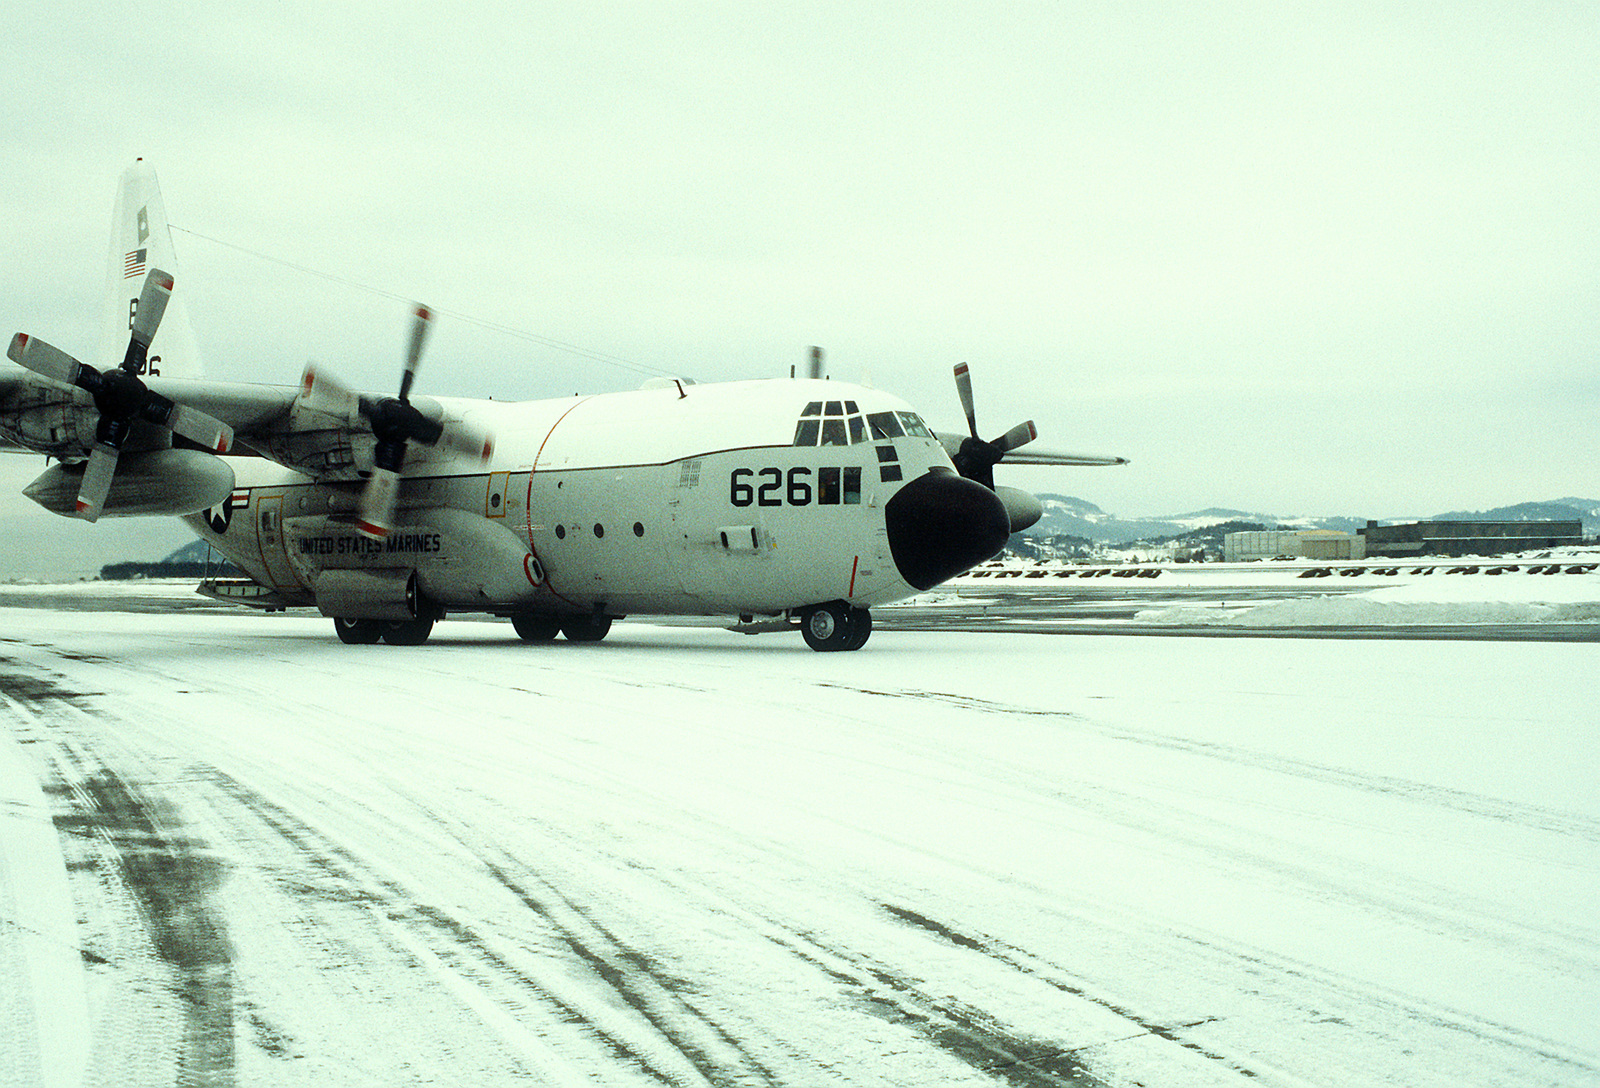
<point>835,625</point>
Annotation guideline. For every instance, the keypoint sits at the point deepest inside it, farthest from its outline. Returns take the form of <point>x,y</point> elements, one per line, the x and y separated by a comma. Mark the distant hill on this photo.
<point>1068,516</point>
<point>1065,515</point>
<point>194,560</point>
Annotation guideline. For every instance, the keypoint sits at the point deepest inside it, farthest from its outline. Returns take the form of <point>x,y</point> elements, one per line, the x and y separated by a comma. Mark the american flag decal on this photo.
<point>133,264</point>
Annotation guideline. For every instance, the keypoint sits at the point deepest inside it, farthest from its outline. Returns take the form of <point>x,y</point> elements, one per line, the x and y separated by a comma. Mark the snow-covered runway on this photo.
<point>686,857</point>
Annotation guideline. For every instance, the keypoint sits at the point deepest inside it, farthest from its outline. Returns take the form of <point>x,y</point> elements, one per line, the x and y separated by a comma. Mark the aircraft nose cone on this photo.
<point>941,524</point>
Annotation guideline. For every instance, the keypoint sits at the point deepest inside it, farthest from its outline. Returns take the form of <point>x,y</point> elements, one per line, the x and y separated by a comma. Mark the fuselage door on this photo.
<point>273,543</point>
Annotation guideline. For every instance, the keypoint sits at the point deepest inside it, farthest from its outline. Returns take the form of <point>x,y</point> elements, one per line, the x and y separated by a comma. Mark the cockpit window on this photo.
<point>914,425</point>
<point>834,423</point>
<point>884,425</point>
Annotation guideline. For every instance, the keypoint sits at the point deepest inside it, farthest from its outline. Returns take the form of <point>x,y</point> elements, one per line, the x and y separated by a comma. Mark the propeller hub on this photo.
<point>120,394</point>
<point>976,460</point>
<point>396,421</point>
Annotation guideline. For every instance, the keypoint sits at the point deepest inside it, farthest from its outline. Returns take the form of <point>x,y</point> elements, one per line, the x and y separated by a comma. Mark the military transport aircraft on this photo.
<point>796,502</point>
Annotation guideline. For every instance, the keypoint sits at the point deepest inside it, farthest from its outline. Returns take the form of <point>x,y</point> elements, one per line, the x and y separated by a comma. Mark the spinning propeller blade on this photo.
<point>146,319</point>
<point>964,390</point>
<point>378,500</point>
<point>974,458</point>
<point>41,358</point>
<point>419,334</point>
<point>321,393</point>
<point>96,482</point>
<point>395,422</point>
<point>1020,435</point>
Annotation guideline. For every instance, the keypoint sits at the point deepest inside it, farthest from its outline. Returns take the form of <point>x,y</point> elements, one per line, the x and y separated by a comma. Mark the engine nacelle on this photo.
<point>51,419</point>
<point>150,482</point>
<point>384,594</point>
<point>1022,507</point>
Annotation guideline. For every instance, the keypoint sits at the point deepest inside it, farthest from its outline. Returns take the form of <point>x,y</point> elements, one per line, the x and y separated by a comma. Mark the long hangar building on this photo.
<point>1455,538</point>
<point>1412,541</point>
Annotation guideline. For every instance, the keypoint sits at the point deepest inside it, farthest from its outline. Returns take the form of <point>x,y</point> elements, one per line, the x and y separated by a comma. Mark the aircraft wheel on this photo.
<point>831,626</point>
<point>585,628</point>
<point>860,628</point>
<point>532,627</point>
<point>408,632</point>
<point>358,632</point>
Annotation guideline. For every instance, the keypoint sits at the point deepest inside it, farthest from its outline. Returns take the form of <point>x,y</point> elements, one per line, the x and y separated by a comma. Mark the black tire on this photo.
<point>828,627</point>
<point>860,628</point>
<point>358,632</point>
<point>585,628</point>
<point>536,627</point>
<point>408,632</point>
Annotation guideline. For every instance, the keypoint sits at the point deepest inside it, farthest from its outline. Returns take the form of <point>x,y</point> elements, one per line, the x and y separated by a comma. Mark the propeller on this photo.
<point>121,396</point>
<point>974,458</point>
<point>395,422</point>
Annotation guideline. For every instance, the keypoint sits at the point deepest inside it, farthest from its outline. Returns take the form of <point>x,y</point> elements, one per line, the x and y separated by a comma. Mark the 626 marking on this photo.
<point>833,487</point>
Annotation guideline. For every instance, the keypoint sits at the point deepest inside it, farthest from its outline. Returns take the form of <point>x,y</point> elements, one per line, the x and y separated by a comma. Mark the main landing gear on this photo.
<point>542,627</point>
<point>394,632</point>
<point>836,625</point>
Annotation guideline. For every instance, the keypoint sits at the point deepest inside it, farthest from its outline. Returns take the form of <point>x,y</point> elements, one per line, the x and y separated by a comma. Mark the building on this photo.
<point>1452,538</point>
<point>1247,547</point>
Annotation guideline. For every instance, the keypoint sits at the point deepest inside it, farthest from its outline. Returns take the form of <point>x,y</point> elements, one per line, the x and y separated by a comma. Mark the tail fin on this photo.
<point>140,241</point>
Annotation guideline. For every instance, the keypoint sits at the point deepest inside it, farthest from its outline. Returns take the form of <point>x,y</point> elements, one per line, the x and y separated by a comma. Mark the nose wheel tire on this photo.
<point>860,628</point>
<point>835,626</point>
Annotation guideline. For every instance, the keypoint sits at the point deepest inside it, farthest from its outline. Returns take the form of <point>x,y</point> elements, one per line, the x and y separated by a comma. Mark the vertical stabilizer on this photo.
<point>140,241</point>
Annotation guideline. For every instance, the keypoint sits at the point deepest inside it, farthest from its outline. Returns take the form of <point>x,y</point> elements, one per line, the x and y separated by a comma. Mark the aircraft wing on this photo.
<point>1030,456</point>
<point>275,422</point>
<point>326,436</point>
<point>255,412</point>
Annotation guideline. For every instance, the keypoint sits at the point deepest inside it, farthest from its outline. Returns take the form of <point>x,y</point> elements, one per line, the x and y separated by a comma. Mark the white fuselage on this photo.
<point>693,499</point>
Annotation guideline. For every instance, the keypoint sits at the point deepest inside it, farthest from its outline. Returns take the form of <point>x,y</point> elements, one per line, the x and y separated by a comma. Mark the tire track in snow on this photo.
<point>642,983</point>
<point>669,1040</point>
<point>1533,816</point>
<point>964,1031</point>
<point>1431,908</point>
<point>1416,903</point>
<point>993,949</point>
<point>141,843</point>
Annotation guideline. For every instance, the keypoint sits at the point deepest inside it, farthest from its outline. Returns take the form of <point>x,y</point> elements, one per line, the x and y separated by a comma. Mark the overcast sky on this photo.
<point>1326,259</point>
